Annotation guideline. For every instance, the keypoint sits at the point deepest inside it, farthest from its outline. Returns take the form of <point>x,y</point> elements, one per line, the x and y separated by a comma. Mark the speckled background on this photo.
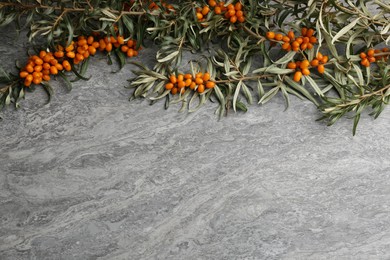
<point>93,176</point>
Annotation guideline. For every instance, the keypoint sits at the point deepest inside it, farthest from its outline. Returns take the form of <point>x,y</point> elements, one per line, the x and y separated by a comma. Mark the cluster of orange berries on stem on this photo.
<point>290,42</point>
<point>179,83</point>
<point>303,67</point>
<point>232,12</point>
<point>39,68</point>
<point>372,55</point>
<point>168,7</point>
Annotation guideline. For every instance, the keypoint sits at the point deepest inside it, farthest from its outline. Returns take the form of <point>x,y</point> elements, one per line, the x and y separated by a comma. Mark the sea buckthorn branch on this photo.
<point>310,49</point>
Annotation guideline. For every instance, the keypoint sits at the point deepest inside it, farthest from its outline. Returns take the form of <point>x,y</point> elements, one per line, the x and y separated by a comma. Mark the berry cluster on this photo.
<point>373,55</point>
<point>168,7</point>
<point>303,67</point>
<point>39,68</point>
<point>232,12</point>
<point>289,42</point>
<point>179,83</point>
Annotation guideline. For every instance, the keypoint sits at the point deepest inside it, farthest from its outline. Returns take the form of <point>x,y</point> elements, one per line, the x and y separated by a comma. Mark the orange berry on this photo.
<point>193,85</point>
<point>124,48</point>
<point>174,91</point>
<point>286,46</point>
<point>59,66</point>
<point>120,40</point>
<point>46,77</point>
<point>42,54</point>
<point>181,84</point>
<point>200,88</point>
<point>53,62</point>
<point>82,42</point>
<point>210,84</point>
<point>95,45</point>
<point>231,12</point>
<point>188,82</point>
<point>304,64</point>
<point>270,35</point>
<point>135,53</point>
<point>321,68</point>
<point>217,10</point>
<point>130,53</point>
<point>206,76</point>
<point>230,7</point>
<point>29,68</point>
<point>46,72</point>
<point>169,86</point>
<point>303,46</point>
<point>109,47</point>
<point>199,75</point>
<point>38,61</point>
<point>309,46</point>
<point>313,39</point>
<point>37,74</point>
<point>173,79</point>
<point>205,10</point>
<point>363,55</point>
<point>53,70</point>
<point>299,40</point>
<point>371,59</point>
<point>306,72</point>
<point>71,55</point>
<point>91,50</point>
<point>90,40</point>
<point>23,74</point>
<point>69,48</point>
<point>102,45</point>
<point>314,63</point>
<point>278,37</point>
<point>371,53</point>
<point>199,16</point>
<point>49,57</point>
<point>81,49</point>
<point>320,56</point>
<point>27,83</point>
<point>198,81</point>
<point>292,65</point>
<point>29,77</point>
<point>304,31</point>
<point>295,44</point>
<point>37,81</point>
<point>38,68</point>
<point>297,76</point>
<point>57,54</point>
<point>238,6</point>
<point>310,33</point>
<point>325,59</point>
<point>291,35</point>
<point>79,57</point>
<point>180,78</point>
<point>188,76</point>
<point>286,39</point>
<point>212,3</point>
<point>306,39</point>
<point>239,14</point>
<point>241,19</point>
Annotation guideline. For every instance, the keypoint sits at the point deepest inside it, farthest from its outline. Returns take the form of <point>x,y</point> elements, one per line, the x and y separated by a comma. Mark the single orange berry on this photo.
<point>53,70</point>
<point>230,7</point>
<point>205,10</point>
<point>217,10</point>
<point>314,63</point>
<point>46,72</point>
<point>29,77</point>
<point>297,76</point>
<point>231,12</point>
<point>57,54</point>
<point>241,19</point>
<point>38,68</point>
<point>173,79</point>
<point>303,46</point>
<point>310,32</point>
<point>239,14</point>
<point>198,81</point>
<point>325,59</point>
<point>193,85</point>
<point>270,35</point>
<point>304,31</point>
<point>200,88</point>
<point>306,72</point>
<point>206,76</point>
<point>38,61</point>
<point>130,53</point>
<point>286,39</point>
<point>199,16</point>
<point>199,75</point>
<point>174,91</point>
<point>371,53</point>
<point>371,59</point>
<point>309,46</point>
<point>210,84</point>
<point>299,40</point>
<point>42,54</point>
<point>120,40</point>
<point>291,35</point>
<point>180,77</point>
<point>286,46</point>
<point>278,37</point>
<point>46,77</point>
<point>212,3</point>
<point>188,76</point>
<point>79,57</point>
<point>37,81</point>
<point>92,50</point>
<point>313,39</point>
<point>188,82</point>
<point>238,6</point>
<point>169,86</point>
<point>320,56</point>
<point>321,68</point>
<point>29,68</point>
<point>304,64</point>
<point>292,65</point>
<point>95,45</point>
<point>71,55</point>
<point>109,47</point>
<point>23,74</point>
<point>181,84</point>
<point>59,66</point>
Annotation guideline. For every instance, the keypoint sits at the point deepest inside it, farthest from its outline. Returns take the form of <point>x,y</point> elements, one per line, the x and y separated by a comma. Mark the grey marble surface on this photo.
<point>92,176</point>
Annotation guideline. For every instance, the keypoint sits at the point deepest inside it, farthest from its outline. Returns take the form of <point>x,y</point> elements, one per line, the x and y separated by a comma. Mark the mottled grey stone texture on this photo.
<point>92,176</point>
